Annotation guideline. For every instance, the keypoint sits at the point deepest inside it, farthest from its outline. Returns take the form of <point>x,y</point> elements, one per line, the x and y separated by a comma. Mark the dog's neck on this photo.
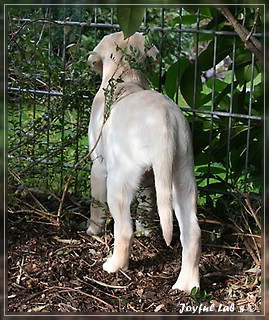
<point>124,80</point>
<point>122,73</point>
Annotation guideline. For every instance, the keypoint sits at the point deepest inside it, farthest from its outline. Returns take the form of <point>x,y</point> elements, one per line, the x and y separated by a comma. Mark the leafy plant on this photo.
<point>199,296</point>
<point>47,52</point>
<point>111,95</point>
<point>46,129</point>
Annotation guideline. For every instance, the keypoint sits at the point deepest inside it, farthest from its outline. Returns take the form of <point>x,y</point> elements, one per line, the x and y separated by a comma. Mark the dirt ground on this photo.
<point>60,271</point>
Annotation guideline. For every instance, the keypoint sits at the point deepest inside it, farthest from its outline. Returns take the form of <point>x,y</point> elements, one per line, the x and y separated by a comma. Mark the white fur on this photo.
<point>145,130</point>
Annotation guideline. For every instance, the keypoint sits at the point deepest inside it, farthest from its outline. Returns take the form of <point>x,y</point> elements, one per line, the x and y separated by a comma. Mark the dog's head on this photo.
<point>114,51</point>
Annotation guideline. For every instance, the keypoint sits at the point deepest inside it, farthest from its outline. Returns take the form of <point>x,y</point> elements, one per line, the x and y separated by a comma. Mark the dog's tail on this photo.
<point>162,168</point>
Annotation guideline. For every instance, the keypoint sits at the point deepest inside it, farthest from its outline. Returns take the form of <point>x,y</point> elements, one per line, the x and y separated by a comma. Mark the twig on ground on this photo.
<point>255,256</point>
<point>104,284</point>
<point>67,289</point>
<point>18,179</point>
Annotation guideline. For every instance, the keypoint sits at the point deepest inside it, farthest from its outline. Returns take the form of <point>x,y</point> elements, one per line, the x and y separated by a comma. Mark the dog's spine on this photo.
<point>162,168</point>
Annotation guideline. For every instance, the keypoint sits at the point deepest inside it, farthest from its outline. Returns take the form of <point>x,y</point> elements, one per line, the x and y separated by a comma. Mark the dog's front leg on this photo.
<point>119,200</point>
<point>99,194</point>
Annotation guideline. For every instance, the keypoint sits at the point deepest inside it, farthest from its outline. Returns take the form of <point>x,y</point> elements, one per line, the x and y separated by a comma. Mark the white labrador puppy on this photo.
<point>144,130</point>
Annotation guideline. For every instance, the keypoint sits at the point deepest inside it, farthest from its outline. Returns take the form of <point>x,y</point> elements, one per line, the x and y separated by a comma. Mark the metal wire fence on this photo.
<point>203,66</point>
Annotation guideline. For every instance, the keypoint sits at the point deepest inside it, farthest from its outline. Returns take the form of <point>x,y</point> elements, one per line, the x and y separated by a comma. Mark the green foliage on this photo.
<point>111,95</point>
<point>199,296</point>
<point>51,56</point>
<point>228,151</point>
<point>130,19</point>
<point>133,58</point>
<point>48,129</point>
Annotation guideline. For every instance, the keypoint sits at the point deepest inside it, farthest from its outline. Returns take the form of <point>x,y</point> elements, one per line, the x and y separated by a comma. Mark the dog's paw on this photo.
<point>94,229</point>
<point>112,265</point>
<point>186,284</point>
<point>188,279</point>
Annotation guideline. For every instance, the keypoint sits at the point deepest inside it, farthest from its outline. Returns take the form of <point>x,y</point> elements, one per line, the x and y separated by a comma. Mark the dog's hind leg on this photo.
<point>184,203</point>
<point>121,186</point>
<point>99,194</point>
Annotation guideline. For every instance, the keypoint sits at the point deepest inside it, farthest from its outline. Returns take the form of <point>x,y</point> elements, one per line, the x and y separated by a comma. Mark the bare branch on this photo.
<point>249,40</point>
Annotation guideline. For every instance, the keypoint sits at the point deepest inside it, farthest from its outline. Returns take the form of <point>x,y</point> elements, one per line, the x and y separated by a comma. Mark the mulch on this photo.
<point>52,270</point>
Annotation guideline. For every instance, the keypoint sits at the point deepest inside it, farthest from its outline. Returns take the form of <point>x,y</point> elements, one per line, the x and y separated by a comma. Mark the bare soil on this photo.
<point>60,271</point>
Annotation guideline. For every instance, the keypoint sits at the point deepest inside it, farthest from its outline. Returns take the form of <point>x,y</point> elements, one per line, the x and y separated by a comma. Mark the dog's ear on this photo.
<point>153,52</point>
<point>96,62</point>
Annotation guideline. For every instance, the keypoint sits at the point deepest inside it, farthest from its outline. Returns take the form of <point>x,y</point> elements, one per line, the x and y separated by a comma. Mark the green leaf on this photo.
<point>187,19</point>
<point>63,251</point>
<point>175,71</point>
<point>86,41</point>
<point>130,19</point>
<point>194,291</point>
<point>187,86</point>
<point>244,75</point>
<point>206,57</point>
<point>204,294</point>
<point>207,12</point>
<point>214,169</point>
<point>212,187</point>
<point>225,91</point>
